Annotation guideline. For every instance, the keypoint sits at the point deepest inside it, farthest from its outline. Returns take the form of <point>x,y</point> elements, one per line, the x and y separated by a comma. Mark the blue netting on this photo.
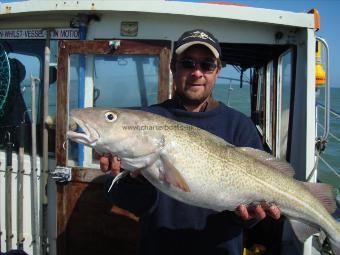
<point>5,76</point>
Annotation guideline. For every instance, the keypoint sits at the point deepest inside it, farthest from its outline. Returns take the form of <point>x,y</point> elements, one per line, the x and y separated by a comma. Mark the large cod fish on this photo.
<point>201,169</point>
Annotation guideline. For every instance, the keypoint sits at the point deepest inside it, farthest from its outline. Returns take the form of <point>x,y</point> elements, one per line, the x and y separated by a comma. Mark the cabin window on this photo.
<point>25,60</point>
<point>129,81</point>
<point>74,98</point>
<point>232,89</point>
<point>92,73</point>
<point>52,90</point>
<point>260,100</point>
<point>269,104</point>
<point>32,68</point>
<point>74,82</point>
<point>125,81</point>
<point>285,74</point>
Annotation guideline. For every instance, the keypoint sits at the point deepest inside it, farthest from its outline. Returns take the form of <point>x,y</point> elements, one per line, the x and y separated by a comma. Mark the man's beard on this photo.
<point>187,100</point>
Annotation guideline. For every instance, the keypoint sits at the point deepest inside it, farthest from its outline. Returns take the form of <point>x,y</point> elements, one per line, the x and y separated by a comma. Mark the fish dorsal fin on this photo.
<point>264,157</point>
<point>169,174</point>
<point>301,230</point>
<point>323,192</point>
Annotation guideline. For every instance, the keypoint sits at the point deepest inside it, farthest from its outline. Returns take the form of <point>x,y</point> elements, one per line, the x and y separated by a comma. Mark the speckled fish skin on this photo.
<point>218,175</point>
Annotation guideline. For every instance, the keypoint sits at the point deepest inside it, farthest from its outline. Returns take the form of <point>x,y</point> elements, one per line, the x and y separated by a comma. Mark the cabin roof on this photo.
<point>250,55</point>
<point>208,10</point>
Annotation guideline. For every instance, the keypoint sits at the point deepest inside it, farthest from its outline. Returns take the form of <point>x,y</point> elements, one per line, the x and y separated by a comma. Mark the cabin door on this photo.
<point>100,73</point>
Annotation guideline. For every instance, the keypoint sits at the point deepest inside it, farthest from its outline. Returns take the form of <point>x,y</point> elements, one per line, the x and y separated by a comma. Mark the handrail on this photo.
<point>332,111</point>
<point>232,79</point>
<point>330,133</point>
<point>327,91</point>
<point>337,115</point>
<point>330,167</point>
<point>321,141</point>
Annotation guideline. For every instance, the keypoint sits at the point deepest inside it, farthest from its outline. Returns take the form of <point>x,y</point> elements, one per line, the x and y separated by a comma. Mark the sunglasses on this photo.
<point>205,65</point>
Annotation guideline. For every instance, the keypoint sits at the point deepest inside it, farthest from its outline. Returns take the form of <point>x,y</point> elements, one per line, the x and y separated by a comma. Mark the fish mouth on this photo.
<point>86,134</point>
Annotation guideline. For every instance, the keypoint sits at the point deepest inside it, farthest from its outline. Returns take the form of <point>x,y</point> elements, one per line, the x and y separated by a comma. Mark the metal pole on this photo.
<point>8,195</point>
<point>81,91</point>
<point>44,170</point>
<point>35,208</point>
<point>20,193</point>
<point>229,92</point>
<point>141,81</point>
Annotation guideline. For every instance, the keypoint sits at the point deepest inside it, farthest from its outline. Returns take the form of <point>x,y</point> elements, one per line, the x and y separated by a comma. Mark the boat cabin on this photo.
<point>60,55</point>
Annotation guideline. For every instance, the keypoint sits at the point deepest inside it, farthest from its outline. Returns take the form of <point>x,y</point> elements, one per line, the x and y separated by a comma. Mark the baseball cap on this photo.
<point>198,36</point>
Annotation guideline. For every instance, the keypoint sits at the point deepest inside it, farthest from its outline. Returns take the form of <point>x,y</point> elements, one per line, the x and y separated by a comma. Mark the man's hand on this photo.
<point>110,163</point>
<point>260,211</point>
<point>113,164</point>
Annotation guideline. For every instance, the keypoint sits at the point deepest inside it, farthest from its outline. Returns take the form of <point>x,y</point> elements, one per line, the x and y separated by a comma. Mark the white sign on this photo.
<point>58,33</point>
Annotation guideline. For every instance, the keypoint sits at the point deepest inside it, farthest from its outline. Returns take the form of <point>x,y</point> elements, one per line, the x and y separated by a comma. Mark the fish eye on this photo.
<point>110,116</point>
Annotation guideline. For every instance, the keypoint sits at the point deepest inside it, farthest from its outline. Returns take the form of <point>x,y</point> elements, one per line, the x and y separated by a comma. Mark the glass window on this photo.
<point>125,81</point>
<point>31,66</point>
<point>269,104</point>
<point>74,99</point>
<point>259,103</point>
<point>229,91</point>
<point>24,62</point>
<point>285,74</point>
<point>52,90</point>
<point>74,81</point>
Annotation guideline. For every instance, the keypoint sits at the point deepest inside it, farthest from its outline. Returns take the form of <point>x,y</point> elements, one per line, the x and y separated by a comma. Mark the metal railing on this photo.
<point>336,115</point>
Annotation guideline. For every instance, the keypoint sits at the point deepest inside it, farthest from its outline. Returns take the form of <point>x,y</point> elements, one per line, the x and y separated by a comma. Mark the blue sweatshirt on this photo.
<point>168,226</point>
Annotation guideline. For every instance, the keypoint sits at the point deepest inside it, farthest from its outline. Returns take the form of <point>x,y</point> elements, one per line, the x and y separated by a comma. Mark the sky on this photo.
<point>329,28</point>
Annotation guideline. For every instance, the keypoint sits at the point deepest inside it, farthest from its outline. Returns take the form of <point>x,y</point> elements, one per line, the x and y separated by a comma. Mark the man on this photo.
<point>167,225</point>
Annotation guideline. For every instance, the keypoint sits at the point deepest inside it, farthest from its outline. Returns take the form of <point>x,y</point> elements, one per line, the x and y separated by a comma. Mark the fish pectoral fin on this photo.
<point>169,174</point>
<point>302,230</point>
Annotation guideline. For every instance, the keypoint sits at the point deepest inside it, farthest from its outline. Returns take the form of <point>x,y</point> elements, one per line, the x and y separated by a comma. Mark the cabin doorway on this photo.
<point>101,73</point>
